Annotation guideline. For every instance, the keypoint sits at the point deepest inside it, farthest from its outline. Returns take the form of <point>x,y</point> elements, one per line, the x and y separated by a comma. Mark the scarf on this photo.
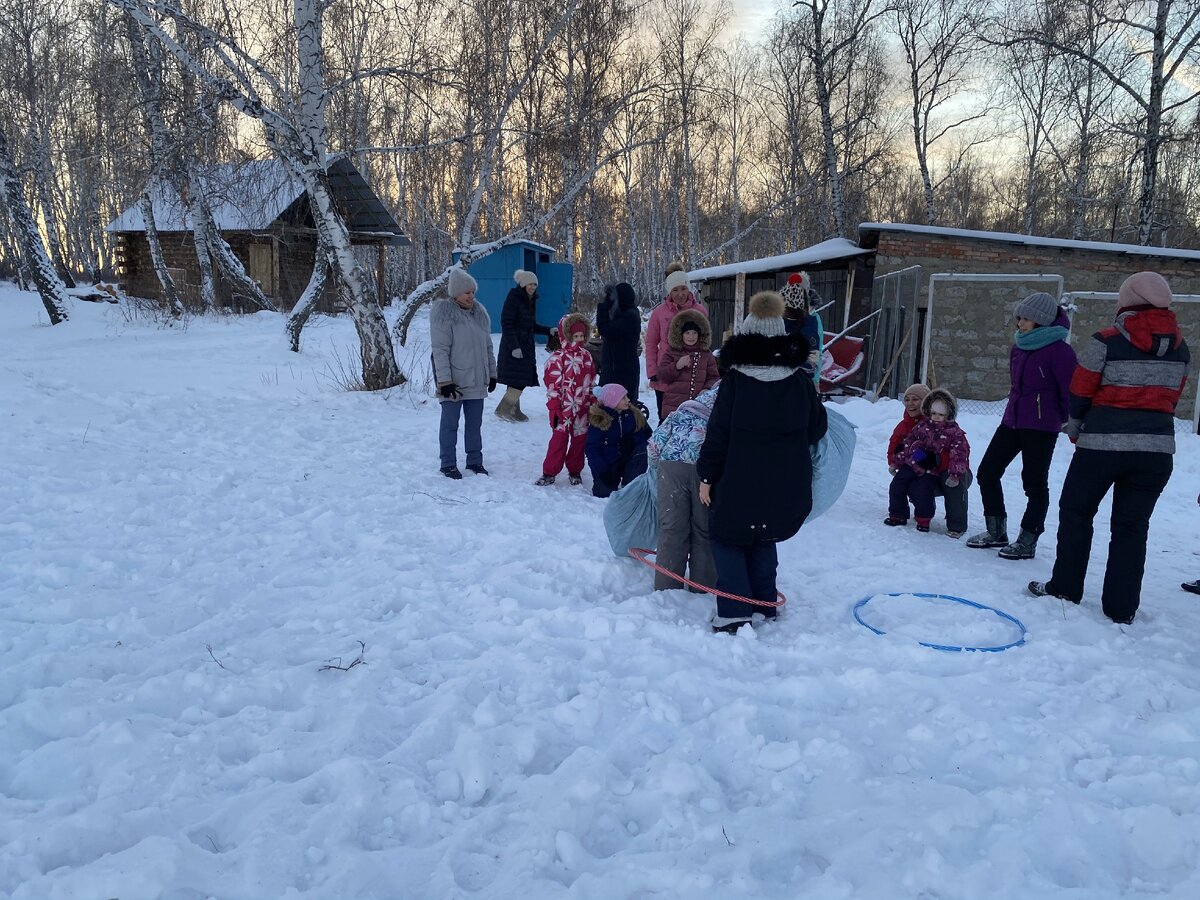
<point>1040,337</point>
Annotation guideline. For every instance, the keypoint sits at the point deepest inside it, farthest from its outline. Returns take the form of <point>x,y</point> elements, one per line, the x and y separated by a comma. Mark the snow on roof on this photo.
<point>246,196</point>
<point>1032,240</point>
<point>826,251</point>
<point>487,245</point>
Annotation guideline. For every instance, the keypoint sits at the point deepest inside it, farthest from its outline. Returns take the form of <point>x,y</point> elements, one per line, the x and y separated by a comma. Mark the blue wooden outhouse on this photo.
<point>494,273</point>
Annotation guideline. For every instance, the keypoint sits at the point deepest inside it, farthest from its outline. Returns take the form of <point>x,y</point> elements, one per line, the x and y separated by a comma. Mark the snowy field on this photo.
<point>194,521</point>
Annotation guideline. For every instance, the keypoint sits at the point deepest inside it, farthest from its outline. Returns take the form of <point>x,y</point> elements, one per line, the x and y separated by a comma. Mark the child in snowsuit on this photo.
<point>936,446</point>
<point>616,441</point>
<point>687,365</point>
<point>683,541</point>
<point>957,494</point>
<point>798,317</point>
<point>569,377</point>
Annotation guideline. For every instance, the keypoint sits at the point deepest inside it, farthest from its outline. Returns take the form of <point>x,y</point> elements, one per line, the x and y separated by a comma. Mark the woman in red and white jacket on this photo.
<point>569,378</point>
<point>1122,422</point>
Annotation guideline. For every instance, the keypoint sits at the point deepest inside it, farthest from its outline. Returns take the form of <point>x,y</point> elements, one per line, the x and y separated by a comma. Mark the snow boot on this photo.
<point>1042,589</point>
<point>451,472</point>
<point>1024,547</point>
<point>893,521</point>
<point>576,479</point>
<point>995,536</point>
<point>1192,587</point>
<point>516,413</point>
<point>922,524</point>
<point>544,481</point>
<point>505,408</point>
<point>478,469</point>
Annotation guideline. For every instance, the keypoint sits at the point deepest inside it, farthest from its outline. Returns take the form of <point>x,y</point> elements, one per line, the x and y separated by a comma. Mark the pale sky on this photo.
<point>750,17</point>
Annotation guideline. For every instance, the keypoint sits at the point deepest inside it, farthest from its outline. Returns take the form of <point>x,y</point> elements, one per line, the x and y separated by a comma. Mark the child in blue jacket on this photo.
<point>616,441</point>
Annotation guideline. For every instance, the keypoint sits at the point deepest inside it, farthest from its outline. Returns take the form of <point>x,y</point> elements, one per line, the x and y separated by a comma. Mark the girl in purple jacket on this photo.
<point>1041,364</point>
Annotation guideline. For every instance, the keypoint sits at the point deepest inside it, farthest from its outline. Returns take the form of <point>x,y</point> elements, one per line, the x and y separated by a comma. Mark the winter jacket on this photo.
<point>620,325</point>
<point>570,376</point>
<point>679,436</point>
<point>906,424</point>
<point>518,325</point>
<point>616,446</point>
<point>1128,382</point>
<point>658,328</point>
<point>462,348</point>
<point>813,330</point>
<point>701,373</point>
<point>1041,379</point>
<point>939,448</point>
<point>756,454</point>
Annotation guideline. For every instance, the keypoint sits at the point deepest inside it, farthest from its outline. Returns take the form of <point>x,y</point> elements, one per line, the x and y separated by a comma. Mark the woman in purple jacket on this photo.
<point>1041,364</point>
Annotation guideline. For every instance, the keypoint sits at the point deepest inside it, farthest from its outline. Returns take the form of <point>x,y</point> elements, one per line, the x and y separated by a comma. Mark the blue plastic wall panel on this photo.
<point>495,276</point>
<point>555,290</point>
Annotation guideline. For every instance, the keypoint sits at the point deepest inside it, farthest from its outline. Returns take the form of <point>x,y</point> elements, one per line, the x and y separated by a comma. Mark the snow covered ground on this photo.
<point>194,521</point>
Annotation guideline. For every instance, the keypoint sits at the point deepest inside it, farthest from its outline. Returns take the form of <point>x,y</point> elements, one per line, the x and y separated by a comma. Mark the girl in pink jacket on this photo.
<point>569,377</point>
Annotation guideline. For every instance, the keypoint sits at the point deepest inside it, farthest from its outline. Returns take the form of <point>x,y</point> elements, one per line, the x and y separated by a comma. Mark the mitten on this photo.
<point>918,454</point>
<point>491,385</point>
<point>450,391</point>
<point>893,469</point>
<point>518,353</point>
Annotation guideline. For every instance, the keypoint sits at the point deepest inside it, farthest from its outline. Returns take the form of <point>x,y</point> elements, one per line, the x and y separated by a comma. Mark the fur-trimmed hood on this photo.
<point>602,417</point>
<point>788,350</point>
<point>694,317</point>
<point>564,328</point>
<point>946,397</point>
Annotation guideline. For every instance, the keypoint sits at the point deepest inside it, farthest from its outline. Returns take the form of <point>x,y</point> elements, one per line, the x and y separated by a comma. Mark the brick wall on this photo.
<point>971,326</point>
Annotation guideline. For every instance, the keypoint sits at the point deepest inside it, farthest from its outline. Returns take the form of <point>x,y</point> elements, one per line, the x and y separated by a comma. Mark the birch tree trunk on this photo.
<point>171,298</point>
<point>307,303</point>
<point>49,285</point>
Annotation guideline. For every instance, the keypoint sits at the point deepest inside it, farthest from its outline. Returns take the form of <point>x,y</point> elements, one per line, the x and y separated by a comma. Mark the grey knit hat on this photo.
<point>460,282</point>
<point>764,315</point>
<point>1040,308</point>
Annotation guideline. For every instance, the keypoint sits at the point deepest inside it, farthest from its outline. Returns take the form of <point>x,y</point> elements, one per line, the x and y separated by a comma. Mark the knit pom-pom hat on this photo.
<point>764,315</point>
<point>678,278</point>
<point>795,292</point>
<point>524,279</point>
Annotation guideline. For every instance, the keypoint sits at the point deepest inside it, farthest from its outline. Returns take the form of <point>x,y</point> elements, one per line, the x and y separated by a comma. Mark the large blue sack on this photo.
<point>631,514</point>
<point>831,459</point>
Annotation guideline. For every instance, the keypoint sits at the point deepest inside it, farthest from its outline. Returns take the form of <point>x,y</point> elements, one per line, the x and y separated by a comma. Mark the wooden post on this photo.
<point>739,299</point>
<point>381,267</point>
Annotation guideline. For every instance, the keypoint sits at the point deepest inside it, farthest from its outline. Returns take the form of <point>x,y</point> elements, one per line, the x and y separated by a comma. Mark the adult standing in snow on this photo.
<point>1122,422</point>
<point>1040,366</point>
<point>464,369</point>
<point>620,327</point>
<point>678,297</point>
<point>755,466</point>
<point>517,369</point>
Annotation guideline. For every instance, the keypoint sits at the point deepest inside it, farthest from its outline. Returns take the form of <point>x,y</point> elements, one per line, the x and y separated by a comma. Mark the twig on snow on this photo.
<point>439,498</point>
<point>727,840</point>
<point>357,661</point>
<point>209,648</point>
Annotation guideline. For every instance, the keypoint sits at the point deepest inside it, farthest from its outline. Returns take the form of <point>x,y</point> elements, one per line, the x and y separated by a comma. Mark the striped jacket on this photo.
<point>1128,382</point>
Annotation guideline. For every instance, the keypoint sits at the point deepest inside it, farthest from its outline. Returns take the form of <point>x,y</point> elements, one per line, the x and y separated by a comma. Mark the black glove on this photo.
<point>450,391</point>
<point>491,385</point>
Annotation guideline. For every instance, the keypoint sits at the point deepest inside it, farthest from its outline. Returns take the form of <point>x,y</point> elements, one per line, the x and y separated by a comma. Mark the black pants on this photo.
<point>1036,449</point>
<point>658,398</point>
<point>1136,479</point>
<point>745,571</point>
<point>920,489</point>
<point>956,502</point>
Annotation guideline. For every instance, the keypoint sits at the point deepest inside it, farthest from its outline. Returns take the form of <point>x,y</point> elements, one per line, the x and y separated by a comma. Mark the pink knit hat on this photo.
<point>1145,288</point>
<point>611,394</point>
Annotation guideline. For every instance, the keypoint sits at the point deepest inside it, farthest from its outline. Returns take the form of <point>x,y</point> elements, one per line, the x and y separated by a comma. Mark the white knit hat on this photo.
<point>524,278</point>
<point>460,282</point>
<point>674,280</point>
<point>764,315</point>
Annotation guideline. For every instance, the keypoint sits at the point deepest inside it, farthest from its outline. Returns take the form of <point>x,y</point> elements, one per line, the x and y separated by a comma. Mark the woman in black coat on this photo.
<point>620,325</point>
<point>755,466</point>
<point>517,363</point>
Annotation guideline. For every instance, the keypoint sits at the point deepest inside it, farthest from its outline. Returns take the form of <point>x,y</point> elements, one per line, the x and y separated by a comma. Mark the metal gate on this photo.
<point>895,332</point>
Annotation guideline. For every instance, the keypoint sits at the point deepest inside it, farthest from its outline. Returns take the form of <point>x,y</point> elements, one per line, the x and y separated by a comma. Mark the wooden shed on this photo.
<point>840,271</point>
<point>263,213</point>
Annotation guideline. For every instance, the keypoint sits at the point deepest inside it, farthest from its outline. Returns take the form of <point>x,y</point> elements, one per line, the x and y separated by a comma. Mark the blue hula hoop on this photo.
<point>949,648</point>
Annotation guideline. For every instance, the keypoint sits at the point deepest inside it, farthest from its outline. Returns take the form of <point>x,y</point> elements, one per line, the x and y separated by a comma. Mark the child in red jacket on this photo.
<point>569,378</point>
<point>687,365</point>
<point>935,448</point>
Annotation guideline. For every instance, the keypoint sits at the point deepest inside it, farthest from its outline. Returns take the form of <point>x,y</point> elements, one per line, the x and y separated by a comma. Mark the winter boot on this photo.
<point>478,469</point>
<point>544,481</point>
<point>516,413</point>
<point>451,472</point>
<point>995,536</point>
<point>922,524</point>
<point>1192,587</point>
<point>505,408</point>
<point>1024,547</point>
<point>576,479</point>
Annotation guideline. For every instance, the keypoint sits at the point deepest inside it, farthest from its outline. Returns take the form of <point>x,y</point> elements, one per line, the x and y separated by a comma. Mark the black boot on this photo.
<point>995,536</point>
<point>1024,547</point>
